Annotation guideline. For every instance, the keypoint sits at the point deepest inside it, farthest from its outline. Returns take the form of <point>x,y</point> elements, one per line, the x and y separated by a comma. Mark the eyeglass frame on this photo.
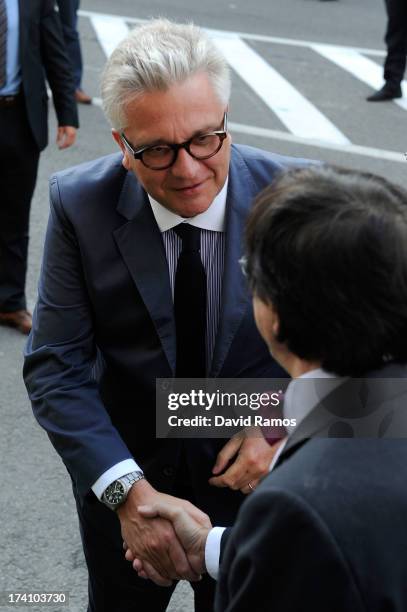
<point>138,153</point>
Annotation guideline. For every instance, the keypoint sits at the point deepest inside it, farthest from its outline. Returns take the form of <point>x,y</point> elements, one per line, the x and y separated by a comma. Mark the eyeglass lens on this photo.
<point>200,147</point>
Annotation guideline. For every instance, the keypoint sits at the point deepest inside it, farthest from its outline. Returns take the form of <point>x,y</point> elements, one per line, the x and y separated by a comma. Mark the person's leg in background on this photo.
<point>68,10</point>
<point>19,156</point>
<point>396,43</point>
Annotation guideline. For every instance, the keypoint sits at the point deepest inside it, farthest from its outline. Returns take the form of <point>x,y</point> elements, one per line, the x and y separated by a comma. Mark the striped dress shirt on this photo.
<point>212,225</point>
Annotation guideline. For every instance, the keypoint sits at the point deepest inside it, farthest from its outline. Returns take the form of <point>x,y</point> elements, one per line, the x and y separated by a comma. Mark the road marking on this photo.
<point>251,130</point>
<point>245,35</point>
<point>298,114</point>
<point>359,66</point>
<point>294,110</point>
<point>110,30</point>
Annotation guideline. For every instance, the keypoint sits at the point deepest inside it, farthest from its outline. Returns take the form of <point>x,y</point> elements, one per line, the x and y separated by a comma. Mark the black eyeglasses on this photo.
<point>162,156</point>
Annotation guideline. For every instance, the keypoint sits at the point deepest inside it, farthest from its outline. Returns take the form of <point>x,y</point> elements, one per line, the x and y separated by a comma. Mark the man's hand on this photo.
<point>66,135</point>
<point>191,533</point>
<point>253,457</point>
<point>153,540</point>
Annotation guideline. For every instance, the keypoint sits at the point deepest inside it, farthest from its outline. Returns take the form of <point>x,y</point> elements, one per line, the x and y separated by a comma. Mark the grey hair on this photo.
<point>156,56</point>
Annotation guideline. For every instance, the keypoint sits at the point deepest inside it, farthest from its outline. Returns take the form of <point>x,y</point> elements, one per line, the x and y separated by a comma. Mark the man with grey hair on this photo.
<point>141,279</point>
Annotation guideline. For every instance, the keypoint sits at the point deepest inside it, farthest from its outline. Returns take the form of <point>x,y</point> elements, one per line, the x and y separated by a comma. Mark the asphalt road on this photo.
<point>40,547</point>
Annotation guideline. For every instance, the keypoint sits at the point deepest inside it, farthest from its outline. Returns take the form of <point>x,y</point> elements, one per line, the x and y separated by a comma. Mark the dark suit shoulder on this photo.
<point>89,185</point>
<point>320,463</point>
<point>281,556</point>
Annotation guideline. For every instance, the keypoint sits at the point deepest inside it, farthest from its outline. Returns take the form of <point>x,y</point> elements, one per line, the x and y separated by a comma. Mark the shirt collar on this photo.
<point>212,219</point>
<point>301,398</point>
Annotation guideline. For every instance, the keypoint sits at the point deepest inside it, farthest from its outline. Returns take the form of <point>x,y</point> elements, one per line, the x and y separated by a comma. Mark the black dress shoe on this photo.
<point>387,92</point>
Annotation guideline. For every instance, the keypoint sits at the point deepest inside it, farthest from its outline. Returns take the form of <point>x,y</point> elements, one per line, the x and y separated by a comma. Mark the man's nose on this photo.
<point>185,165</point>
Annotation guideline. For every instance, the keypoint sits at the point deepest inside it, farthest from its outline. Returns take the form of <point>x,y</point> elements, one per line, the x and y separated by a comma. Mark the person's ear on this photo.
<point>126,156</point>
<point>275,325</point>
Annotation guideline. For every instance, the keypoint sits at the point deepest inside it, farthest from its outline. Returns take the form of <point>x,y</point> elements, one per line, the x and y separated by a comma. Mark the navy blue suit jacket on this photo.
<point>326,529</point>
<point>105,291</point>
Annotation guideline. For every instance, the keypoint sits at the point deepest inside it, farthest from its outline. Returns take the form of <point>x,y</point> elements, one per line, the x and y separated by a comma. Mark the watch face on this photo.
<point>114,493</point>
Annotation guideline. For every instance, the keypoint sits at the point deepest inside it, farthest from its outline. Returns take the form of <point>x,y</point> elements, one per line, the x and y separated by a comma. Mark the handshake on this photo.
<point>172,537</point>
<point>164,536</point>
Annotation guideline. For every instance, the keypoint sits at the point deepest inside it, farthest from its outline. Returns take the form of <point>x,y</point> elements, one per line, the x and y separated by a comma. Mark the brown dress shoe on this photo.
<point>20,319</point>
<point>82,98</point>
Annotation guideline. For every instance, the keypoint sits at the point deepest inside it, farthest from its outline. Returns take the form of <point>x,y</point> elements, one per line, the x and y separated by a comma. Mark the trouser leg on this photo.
<point>19,156</point>
<point>396,42</point>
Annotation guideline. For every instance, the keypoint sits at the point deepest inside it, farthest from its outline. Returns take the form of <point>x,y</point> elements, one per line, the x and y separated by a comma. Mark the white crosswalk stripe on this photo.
<point>360,66</point>
<point>109,30</point>
<point>301,117</point>
<point>304,122</point>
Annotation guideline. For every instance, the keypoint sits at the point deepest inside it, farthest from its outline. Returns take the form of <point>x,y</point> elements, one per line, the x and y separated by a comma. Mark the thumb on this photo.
<point>161,509</point>
<point>147,511</point>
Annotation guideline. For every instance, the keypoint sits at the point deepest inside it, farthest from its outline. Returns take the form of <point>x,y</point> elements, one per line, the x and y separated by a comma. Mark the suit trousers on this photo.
<point>396,42</point>
<point>113,584</point>
<point>19,156</point>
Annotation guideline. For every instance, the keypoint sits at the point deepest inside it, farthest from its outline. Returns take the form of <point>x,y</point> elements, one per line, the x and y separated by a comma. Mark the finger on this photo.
<point>65,137</point>
<point>197,514</point>
<point>125,547</point>
<point>175,513</point>
<point>168,557</point>
<point>59,137</point>
<point>138,565</point>
<point>249,488</point>
<point>150,572</point>
<point>70,138</point>
<point>66,141</point>
<point>225,455</point>
<point>181,564</point>
<point>218,481</point>
<point>235,477</point>
<point>128,555</point>
<point>162,509</point>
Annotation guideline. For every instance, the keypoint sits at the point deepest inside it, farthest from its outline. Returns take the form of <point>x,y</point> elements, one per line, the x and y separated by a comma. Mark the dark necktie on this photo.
<point>3,43</point>
<point>190,305</point>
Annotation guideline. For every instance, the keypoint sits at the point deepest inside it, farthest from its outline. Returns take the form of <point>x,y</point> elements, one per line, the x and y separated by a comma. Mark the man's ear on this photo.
<point>275,326</point>
<point>126,156</point>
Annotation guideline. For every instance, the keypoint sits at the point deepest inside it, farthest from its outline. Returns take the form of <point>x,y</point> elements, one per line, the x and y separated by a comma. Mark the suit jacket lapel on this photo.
<point>141,246</point>
<point>235,296</point>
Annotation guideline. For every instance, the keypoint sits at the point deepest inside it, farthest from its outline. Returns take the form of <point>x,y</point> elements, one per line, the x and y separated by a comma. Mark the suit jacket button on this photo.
<point>168,471</point>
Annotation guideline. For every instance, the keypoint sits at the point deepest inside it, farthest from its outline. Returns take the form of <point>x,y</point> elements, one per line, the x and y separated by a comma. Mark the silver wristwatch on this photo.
<point>116,493</point>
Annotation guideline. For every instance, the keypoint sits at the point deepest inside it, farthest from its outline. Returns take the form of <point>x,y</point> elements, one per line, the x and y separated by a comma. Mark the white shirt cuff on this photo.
<point>212,551</point>
<point>112,474</point>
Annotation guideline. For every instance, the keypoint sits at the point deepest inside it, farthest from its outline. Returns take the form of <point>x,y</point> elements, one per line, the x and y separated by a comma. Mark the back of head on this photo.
<point>156,56</point>
<point>328,248</point>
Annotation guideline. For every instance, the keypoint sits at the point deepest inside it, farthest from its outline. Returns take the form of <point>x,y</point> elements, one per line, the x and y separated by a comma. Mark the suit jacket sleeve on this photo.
<point>280,556</point>
<point>57,66</point>
<point>60,355</point>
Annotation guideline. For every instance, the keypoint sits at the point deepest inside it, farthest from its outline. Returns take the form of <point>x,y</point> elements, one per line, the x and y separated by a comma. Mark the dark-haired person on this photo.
<point>326,529</point>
